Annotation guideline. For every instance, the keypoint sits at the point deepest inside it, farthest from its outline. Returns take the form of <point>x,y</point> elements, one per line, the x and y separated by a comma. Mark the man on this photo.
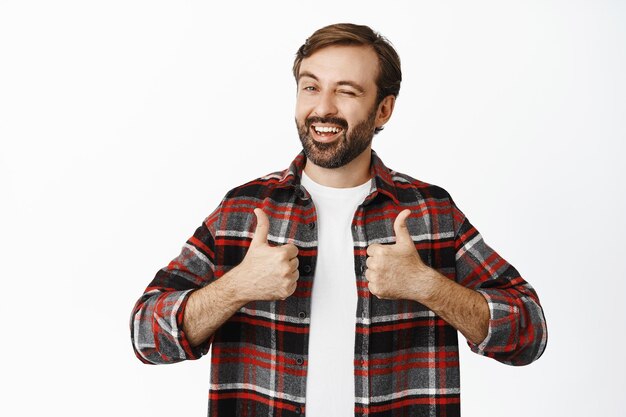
<point>337,286</point>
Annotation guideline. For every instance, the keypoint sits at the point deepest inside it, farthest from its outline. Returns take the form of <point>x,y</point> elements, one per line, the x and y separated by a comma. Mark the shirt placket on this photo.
<point>308,235</point>
<point>362,379</point>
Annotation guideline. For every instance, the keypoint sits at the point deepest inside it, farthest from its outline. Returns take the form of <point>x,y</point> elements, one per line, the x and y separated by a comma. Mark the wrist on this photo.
<point>429,285</point>
<point>232,289</point>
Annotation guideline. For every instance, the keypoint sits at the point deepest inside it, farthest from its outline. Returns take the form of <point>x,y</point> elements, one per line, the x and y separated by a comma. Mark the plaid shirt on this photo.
<point>406,359</point>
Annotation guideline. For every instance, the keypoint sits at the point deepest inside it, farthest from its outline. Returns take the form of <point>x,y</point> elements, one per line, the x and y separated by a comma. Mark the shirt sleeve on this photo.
<point>156,323</point>
<point>517,332</point>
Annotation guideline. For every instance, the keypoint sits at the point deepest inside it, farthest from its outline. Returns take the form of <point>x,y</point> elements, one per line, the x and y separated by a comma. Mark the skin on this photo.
<point>266,273</point>
<point>396,271</point>
<point>340,82</point>
<point>337,87</point>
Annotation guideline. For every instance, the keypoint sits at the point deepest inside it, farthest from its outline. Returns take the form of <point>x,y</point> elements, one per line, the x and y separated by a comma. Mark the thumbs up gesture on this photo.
<point>396,271</point>
<point>267,272</point>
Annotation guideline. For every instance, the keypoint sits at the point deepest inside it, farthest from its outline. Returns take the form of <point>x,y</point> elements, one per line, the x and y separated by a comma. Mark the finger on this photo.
<point>262,228</point>
<point>292,250</point>
<point>372,249</point>
<point>295,275</point>
<point>403,237</point>
<point>372,288</point>
<point>369,275</point>
<point>293,264</point>
<point>290,290</point>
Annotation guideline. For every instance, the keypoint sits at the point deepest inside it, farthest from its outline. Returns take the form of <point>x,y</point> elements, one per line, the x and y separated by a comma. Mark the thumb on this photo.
<point>262,228</point>
<point>403,237</point>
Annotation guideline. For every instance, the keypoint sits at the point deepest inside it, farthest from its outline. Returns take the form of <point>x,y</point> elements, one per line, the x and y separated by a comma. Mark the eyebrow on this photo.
<point>348,83</point>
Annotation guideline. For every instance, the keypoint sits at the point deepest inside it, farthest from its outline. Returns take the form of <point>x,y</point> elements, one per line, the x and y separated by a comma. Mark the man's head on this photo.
<point>348,77</point>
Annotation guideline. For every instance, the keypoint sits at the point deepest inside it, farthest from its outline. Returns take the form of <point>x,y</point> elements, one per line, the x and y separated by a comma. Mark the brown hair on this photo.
<point>389,74</point>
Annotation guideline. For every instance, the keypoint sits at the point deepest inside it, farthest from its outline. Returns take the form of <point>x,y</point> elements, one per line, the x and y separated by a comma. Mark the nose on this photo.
<point>325,105</point>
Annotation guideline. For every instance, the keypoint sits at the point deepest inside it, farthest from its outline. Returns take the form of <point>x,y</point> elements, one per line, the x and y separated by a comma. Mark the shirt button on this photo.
<point>362,361</point>
<point>311,225</point>
<point>364,314</point>
<point>299,361</point>
<point>302,314</point>
<point>298,410</point>
<point>363,268</point>
<point>307,268</point>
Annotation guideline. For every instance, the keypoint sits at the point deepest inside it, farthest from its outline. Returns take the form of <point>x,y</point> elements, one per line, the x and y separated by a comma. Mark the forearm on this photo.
<point>463,308</point>
<point>209,307</point>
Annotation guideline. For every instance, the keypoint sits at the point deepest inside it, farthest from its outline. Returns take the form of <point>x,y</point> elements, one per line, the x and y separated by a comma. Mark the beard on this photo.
<point>349,145</point>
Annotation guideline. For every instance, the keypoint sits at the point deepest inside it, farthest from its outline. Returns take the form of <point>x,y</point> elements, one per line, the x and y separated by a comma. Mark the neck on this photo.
<point>354,173</point>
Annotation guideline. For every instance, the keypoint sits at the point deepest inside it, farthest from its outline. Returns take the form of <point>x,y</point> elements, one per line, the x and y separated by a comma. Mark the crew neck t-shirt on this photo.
<point>330,373</point>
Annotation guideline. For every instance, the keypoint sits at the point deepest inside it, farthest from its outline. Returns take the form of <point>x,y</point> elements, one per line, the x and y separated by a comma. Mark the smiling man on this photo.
<point>337,286</point>
<point>336,90</point>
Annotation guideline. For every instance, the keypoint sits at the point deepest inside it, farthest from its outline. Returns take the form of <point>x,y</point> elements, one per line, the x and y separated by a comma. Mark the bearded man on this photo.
<point>337,286</point>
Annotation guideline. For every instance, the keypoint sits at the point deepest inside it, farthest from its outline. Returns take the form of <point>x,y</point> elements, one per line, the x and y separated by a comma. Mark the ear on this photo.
<point>385,108</point>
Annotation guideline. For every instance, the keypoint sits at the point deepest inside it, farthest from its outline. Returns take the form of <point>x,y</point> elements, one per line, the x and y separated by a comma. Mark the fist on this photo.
<point>394,271</point>
<point>267,272</point>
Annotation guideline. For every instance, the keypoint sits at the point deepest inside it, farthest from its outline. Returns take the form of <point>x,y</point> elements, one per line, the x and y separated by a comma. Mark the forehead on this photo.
<point>343,63</point>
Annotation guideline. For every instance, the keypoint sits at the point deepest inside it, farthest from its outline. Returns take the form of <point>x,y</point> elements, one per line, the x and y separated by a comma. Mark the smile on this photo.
<point>326,133</point>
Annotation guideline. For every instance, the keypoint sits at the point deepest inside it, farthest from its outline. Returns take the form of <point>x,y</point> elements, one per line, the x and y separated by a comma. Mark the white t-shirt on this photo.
<point>330,375</point>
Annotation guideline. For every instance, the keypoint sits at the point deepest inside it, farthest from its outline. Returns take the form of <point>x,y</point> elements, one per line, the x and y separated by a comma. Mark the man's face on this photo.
<point>336,104</point>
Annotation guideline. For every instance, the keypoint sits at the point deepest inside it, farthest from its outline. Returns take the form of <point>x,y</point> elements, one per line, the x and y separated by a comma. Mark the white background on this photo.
<point>123,124</point>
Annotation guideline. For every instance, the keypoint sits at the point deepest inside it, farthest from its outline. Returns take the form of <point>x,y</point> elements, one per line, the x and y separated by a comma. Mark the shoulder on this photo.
<point>428,199</point>
<point>409,188</point>
<point>238,203</point>
<point>406,188</point>
<point>260,187</point>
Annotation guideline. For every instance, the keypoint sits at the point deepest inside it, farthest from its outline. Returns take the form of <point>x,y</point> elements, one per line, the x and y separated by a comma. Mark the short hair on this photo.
<point>389,74</point>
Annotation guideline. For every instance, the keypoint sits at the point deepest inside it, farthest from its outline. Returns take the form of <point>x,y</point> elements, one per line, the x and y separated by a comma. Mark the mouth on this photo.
<point>325,132</point>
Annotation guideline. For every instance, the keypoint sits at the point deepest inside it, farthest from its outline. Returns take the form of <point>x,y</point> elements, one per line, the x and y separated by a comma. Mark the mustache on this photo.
<point>330,120</point>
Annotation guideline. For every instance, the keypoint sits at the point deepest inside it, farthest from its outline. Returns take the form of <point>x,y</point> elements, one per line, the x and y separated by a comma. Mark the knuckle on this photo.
<point>374,249</point>
<point>279,256</point>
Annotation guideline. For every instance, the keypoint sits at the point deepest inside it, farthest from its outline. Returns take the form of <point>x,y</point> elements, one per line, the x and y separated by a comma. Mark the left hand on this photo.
<point>393,270</point>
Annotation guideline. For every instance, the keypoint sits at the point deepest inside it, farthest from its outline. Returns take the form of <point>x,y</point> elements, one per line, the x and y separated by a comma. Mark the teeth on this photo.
<point>327,129</point>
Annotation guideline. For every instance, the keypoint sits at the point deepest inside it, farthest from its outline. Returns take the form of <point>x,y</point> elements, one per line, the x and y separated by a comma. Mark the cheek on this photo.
<point>304,105</point>
<point>301,114</point>
<point>353,115</point>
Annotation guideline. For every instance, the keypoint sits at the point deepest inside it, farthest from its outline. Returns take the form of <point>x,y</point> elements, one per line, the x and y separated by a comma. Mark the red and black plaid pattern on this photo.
<point>406,359</point>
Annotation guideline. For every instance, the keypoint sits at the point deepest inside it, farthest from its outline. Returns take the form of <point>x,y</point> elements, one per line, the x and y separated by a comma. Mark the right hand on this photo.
<point>267,272</point>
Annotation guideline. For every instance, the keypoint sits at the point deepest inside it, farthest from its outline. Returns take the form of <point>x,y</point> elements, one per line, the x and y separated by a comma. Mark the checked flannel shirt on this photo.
<point>406,359</point>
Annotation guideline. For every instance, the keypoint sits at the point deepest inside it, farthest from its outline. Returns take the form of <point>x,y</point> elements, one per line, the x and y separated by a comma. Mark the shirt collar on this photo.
<point>382,184</point>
